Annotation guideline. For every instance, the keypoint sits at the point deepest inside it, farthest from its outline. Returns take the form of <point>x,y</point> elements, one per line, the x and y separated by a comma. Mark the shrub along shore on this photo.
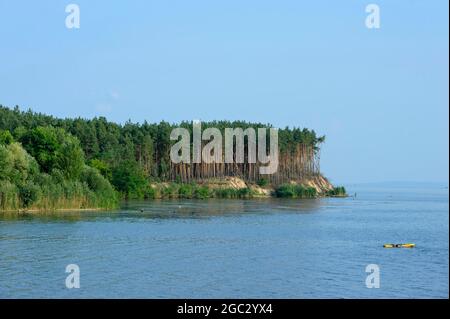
<point>199,191</point>
<point>47,171</point>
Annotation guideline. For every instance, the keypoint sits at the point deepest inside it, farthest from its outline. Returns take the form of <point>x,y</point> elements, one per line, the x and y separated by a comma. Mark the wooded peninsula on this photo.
<point>47,163</point>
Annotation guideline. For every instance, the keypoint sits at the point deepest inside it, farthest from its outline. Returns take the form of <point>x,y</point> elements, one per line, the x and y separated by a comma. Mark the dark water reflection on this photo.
<point>175,208</point>
<point>216,207</point>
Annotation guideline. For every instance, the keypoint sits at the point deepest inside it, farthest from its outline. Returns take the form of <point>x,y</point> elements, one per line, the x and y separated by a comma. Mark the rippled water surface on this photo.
<point>236,248</point>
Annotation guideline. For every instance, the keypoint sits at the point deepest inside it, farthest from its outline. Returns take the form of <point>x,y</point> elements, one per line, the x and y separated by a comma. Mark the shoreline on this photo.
<point>40,210</point>
<point>98,209</point>
<point>228,188</point>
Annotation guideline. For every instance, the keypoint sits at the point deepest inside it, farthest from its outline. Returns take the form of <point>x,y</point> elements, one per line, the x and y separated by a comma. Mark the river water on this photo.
<point>268,248</point>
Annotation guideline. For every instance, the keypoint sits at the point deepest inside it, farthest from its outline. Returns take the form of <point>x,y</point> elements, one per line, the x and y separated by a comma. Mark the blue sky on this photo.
<point>379,95</point>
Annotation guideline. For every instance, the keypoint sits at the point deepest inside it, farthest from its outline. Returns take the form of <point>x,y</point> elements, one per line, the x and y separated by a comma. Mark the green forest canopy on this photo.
<point>86,155</point>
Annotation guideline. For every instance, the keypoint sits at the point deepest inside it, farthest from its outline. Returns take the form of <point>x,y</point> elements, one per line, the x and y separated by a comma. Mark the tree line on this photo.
<point>130,156</point>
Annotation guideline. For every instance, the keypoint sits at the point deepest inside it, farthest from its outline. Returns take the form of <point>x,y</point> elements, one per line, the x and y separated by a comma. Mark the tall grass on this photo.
<point>338,191</point>
<point>195,191</point>
<point>48,192</point>
<point>9,196</point>
<point>295,191</point>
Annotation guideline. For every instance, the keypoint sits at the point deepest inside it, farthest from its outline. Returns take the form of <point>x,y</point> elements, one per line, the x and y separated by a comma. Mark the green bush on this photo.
<point>16,164</point>
<point>29,193</point>
<point>244,192</point>
<point>262,182</point>
<point>57,176</point>
<point>150,193</point>
<point>170,191</point>
<point>285,190</point>
<point>6,162</point>
<point>202,192</point>
<point>65,181</point>
<point>102,167</point>
<point>129,179</point>
<point>9,199</point>
<point>95,180</point>
<point>233,193</point>
<point>337,191</point>
<point>185,191</point>
<point>54,148</point>
<point>295,191</point>
<point>225,193</point>
<point>5,137</point>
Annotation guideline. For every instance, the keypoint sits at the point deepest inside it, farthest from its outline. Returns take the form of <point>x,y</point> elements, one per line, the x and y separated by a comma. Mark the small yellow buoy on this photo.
<point>408,245</point>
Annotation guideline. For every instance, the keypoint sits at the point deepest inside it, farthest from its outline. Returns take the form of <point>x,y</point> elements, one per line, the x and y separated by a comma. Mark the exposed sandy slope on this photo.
<point>320,183</point>
<point>227,182</point>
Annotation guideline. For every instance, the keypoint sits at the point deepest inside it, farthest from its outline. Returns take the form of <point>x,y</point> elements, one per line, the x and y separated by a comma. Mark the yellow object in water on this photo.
<point>409,245</point>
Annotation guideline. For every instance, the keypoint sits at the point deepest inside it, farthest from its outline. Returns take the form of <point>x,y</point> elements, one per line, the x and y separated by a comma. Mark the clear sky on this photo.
<point>379,95</point>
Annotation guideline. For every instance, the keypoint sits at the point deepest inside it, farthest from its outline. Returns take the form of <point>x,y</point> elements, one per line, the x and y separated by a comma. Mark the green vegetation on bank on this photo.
<point>49,163</point>
<point>338,191</point>
<point>295,191</point>
<point>133,155</point>
<point>194,191</point>
<point>300,191</point>
<point>45,169</point>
